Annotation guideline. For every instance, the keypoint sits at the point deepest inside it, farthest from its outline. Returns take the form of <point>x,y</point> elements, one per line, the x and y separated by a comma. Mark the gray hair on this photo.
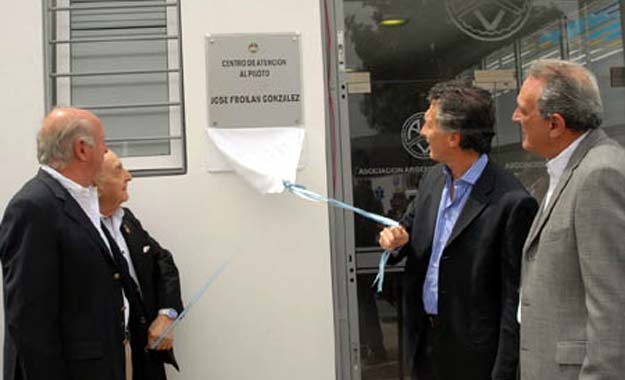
<point>570,90</point>
<point>55,145</point>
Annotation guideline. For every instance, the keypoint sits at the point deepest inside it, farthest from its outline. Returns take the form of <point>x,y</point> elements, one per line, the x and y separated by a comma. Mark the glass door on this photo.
<point>395,51</point>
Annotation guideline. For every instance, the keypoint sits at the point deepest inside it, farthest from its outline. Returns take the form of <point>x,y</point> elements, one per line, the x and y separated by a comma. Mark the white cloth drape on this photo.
<point>264,157</point>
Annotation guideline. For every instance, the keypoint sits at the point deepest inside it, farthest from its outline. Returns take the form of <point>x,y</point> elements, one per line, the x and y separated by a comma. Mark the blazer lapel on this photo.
<point>431,212</point>
<point>478,199</point>
<point>533,228</point>
<point>577,156</point>
<point>75,212</point>
<point>128,232</point>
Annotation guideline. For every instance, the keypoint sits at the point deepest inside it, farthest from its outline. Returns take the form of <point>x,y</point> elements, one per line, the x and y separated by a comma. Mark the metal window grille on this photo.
<point>123,61</point>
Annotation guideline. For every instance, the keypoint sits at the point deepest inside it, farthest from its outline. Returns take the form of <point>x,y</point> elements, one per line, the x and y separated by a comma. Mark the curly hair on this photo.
<point>465,108</point>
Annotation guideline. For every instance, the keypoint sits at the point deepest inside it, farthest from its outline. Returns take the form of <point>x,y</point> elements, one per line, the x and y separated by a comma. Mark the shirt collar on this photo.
<point>556,166</point>
<point>116,218</point>
<point>86,197</point>
<point>474,173</point>
<point>70,185</point>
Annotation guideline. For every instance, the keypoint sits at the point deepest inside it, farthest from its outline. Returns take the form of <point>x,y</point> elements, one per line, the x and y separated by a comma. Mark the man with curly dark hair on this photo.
<point>462,240</point>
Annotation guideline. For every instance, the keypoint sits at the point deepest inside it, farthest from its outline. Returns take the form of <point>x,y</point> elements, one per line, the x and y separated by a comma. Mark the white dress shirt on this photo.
<point>113,224</point>
<point>556,166</point>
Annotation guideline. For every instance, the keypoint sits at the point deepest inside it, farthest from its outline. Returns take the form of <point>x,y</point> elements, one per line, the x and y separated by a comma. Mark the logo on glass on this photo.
<point>489,20</point>
<point>411,138</point>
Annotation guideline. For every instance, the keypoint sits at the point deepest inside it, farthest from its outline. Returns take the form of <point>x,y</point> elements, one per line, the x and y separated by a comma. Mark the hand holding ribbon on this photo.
<point>304,193</point>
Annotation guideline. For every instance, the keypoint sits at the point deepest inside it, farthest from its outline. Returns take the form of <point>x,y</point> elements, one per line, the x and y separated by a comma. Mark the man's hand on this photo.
<point>158,326</point>
<point>392,238</point>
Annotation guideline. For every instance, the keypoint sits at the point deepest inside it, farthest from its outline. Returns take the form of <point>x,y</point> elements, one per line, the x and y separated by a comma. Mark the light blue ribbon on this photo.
<point>302,192</point>
<point>379,278</point>
<point>196,297</point>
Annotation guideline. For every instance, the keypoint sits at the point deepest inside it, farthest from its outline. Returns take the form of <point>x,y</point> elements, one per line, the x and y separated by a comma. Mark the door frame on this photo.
<point>338,154</point>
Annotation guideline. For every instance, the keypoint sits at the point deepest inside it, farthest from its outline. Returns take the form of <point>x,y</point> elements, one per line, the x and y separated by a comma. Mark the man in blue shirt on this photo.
<point>463,240</point>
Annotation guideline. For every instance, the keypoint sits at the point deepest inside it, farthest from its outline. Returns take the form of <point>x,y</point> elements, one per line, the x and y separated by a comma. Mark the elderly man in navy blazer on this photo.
<point>463,241</point>
<point>151,268</point>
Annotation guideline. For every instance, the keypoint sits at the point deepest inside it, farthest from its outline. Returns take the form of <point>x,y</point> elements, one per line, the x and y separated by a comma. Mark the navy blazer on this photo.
<point>62,292</point>
<point>479,272</point>
<point>159,281</point>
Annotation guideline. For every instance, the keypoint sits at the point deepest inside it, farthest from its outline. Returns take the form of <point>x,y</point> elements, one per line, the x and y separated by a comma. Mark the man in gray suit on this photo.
<point>573,276</point>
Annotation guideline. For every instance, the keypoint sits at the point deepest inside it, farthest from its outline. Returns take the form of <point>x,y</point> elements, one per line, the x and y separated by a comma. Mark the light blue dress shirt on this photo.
<point>449,210</point>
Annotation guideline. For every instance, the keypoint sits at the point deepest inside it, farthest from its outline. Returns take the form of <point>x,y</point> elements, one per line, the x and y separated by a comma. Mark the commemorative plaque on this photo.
<point>254,80</point>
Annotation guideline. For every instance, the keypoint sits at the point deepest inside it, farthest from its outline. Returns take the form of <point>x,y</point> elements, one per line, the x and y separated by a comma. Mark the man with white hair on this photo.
<point>64,288</point>
<point>150,265</point>
<point>573,276</point>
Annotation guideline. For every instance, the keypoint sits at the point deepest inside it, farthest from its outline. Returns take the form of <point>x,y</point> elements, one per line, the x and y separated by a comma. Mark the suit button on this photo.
<point>142,320</point>
<point>116,276</point>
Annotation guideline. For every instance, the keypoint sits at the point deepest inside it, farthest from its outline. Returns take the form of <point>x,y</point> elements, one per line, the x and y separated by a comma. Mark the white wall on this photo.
<point>269,316</point>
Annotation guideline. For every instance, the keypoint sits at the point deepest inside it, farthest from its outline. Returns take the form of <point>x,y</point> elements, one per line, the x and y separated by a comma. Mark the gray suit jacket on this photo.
<point>573,275</point>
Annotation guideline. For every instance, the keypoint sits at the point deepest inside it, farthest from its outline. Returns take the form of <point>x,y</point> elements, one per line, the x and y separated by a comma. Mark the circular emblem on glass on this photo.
<point>489,20</point>
<point>253,47</point>
<point>411,138</point>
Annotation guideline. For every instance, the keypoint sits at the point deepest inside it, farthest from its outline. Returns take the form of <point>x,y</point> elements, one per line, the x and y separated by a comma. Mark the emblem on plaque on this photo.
<point>489,20</point>
<point>253,47</point>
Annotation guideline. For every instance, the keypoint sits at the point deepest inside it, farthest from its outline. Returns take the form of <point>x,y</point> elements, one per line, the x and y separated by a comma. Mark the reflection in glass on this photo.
<point>404,62</point>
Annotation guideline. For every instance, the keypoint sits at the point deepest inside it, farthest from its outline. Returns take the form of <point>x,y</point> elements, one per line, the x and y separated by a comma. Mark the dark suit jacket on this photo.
<point>479,273</point>
<point>160,289</point>
<point>62,298</point>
